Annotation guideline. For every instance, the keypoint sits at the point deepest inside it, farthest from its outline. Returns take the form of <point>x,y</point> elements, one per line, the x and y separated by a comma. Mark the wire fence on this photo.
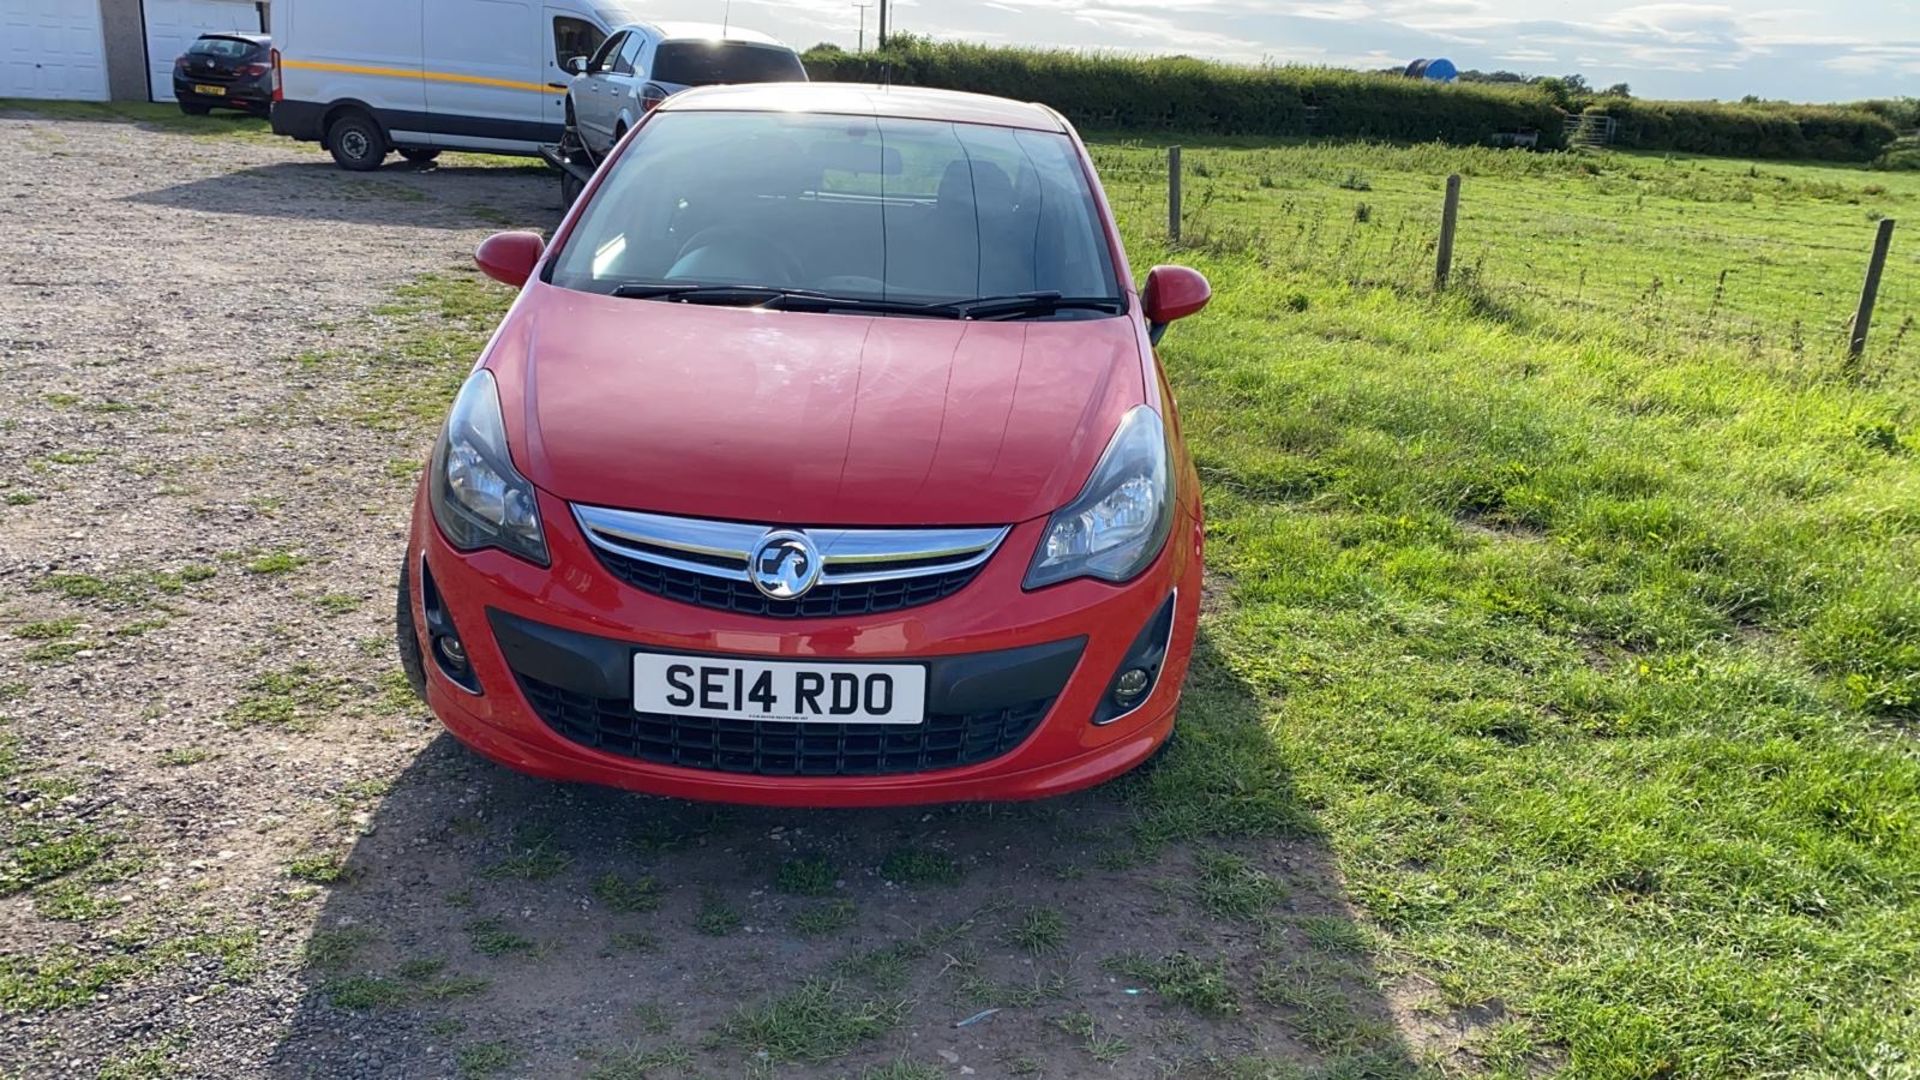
<point>1765,259</point>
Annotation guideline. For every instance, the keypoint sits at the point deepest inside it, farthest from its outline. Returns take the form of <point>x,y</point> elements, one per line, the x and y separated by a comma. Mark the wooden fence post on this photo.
<point>1863,318</point>
<point>1449,216</point>
<point>1173,194</point>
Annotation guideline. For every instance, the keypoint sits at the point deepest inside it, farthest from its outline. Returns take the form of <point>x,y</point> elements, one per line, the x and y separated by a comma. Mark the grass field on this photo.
<point>1582,612</point>
<point>1761,255</point>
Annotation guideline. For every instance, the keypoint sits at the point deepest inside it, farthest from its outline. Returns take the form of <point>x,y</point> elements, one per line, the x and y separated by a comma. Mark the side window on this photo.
<point>603,60</point>
<point>574,37</point>
<point>629,54</point>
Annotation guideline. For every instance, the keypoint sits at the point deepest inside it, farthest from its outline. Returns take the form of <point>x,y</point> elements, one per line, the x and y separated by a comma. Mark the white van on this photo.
<point>365,77</point>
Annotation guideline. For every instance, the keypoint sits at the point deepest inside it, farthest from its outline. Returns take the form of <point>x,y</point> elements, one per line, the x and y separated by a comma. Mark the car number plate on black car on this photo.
<point>779,691</point>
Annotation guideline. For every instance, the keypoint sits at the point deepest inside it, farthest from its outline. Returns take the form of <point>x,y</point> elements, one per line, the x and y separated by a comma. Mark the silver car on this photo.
<point>640,64</point>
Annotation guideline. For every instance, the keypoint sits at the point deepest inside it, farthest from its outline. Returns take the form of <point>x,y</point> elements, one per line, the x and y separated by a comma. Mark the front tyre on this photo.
<point>356,142</point>
<point>195,110</point>
<point>406,635</point>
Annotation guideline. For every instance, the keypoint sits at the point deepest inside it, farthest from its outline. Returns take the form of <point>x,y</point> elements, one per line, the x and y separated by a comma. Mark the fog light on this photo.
<point>1132,683</point>
<point>452,652</point>
<point>1139,670</point>
<point>443,639</point>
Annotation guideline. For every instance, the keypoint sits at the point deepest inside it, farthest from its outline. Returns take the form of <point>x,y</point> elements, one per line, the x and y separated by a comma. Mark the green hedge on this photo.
<point>1765,130</point>
<point>1903,154</point>
<point>1115,93</point>
<point>1902,113</point>
<point>1175,93</point>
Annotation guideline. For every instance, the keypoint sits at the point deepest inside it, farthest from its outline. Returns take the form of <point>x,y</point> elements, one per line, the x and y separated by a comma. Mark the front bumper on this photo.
<point>565,635</point>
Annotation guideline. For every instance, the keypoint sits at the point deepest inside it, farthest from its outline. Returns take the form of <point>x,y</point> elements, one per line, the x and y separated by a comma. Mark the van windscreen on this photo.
<point>707,63</point>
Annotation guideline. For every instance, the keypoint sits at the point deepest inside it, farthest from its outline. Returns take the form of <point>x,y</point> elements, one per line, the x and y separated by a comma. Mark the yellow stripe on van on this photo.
<point>403,73</point>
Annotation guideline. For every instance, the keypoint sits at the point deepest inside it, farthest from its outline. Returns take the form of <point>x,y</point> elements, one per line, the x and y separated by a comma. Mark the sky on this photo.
<point>1839,50</point>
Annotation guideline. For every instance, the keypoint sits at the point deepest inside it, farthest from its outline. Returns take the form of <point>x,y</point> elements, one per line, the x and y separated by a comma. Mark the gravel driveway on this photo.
<point>233,845</point>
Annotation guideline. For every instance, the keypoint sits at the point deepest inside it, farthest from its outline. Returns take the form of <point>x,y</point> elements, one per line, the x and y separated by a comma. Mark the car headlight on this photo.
<point>478,497</point>
<point>1119,522</point>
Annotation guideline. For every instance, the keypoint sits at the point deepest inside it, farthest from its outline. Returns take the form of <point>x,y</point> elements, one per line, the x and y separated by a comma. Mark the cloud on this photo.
<point>1680,48</point>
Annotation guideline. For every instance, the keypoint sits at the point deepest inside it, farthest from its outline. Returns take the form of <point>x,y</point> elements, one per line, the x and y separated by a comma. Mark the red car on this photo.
<point>823,460</point>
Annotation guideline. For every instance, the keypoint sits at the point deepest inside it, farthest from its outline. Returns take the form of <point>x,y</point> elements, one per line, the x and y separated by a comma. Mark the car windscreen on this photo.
<point>225,48</point>
<point>710,63</point>
<point>852,206</point>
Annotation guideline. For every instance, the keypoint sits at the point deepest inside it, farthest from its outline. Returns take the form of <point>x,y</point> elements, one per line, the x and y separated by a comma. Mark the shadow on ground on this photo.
<point>489,923</point>
<point>454,195</point>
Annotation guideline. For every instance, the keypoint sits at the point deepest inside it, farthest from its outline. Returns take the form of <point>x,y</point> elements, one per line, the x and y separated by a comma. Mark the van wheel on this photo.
<point>357,143</point>
<point>570,189</point>
<point>194,110</point>
<point>418,155</point>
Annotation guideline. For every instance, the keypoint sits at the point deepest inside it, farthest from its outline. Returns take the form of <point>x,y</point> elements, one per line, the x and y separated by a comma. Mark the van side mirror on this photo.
<point>1173,293</point>
<point>577,65</point>
<point>510,257</point>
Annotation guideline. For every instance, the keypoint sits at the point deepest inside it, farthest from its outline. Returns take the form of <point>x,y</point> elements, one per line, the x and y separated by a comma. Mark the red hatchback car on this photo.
<point>823,460</point>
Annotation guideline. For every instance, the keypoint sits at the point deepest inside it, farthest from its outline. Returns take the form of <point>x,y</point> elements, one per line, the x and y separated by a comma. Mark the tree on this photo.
<point>1562,94</point>
<point>1472,75</point>
<point>1618,89</point>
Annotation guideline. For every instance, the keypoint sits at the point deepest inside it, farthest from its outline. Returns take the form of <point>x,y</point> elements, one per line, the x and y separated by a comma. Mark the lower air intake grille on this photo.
<point>944,741</point>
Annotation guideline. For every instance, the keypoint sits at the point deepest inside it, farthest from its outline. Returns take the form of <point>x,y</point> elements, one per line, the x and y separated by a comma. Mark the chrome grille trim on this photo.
<point>720,549</point>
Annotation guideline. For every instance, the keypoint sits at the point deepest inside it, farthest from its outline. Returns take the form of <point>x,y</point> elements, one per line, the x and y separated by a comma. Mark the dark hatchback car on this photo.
<point>225,71</point>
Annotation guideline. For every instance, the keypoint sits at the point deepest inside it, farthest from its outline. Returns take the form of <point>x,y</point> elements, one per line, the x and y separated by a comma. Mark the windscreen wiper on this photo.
<point>771,297</point>
<point>690,293</point>
<point>1024,305</point>
<point>776,298</point>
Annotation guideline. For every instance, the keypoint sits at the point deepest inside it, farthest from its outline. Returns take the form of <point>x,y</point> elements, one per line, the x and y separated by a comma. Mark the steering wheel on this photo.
<point>754,250</point>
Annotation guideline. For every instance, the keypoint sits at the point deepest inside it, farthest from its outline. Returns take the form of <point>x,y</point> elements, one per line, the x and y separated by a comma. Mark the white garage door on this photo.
<point>52,49</point>
<point>173,24</point>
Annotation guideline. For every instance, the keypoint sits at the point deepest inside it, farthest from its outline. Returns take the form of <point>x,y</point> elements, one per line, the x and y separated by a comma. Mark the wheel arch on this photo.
<point>340,107</point>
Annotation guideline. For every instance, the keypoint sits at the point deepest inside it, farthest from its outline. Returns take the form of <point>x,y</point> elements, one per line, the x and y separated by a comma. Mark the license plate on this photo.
<point>210,91</point>
<point>779,691</point>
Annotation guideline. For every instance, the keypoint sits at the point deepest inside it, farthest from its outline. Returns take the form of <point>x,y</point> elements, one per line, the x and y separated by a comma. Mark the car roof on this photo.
<point>699,31</point>
<point>901,102</point>
<point>241,35</point>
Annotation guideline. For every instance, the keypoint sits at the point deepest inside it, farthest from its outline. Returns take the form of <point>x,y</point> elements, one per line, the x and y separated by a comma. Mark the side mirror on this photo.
<point>510,256</point>
<point>577,65</point>
<point>1173,293</point>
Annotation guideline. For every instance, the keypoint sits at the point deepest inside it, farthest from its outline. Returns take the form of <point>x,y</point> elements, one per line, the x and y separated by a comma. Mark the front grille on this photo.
<point>860,571</point>
<point>759,748</point>
<point>861,598</point>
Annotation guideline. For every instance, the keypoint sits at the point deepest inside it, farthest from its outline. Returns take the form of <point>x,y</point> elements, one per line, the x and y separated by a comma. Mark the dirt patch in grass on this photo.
<point>698,917</point>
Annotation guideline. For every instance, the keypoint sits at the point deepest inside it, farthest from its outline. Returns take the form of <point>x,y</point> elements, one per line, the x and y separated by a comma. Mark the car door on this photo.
<point>626,81</point>
<point>593,100</point>
<point>572,37</point>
